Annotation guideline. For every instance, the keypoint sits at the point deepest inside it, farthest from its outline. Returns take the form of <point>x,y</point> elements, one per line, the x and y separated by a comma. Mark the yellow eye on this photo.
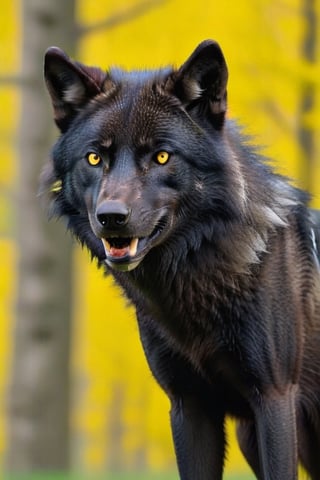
<point>94,159</point>
<point>162,157</point>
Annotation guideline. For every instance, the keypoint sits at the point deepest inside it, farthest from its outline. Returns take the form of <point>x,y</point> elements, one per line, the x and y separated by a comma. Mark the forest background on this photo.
<point>91,404</point>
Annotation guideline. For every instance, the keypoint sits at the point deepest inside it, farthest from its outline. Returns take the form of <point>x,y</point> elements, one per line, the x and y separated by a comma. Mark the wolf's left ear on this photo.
<point>70,84</point>
<point>201,82</point>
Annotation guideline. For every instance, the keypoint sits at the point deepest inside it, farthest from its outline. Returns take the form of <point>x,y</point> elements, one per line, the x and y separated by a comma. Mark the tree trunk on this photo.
<point>306,133</point>
<point>38,400</point>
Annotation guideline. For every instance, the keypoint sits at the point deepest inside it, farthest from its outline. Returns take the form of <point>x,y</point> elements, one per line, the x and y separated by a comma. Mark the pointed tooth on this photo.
<point>133,246</point>
<point>107,246</point>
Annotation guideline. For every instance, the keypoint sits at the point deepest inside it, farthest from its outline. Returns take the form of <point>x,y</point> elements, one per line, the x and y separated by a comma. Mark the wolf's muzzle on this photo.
<point>113,214</point>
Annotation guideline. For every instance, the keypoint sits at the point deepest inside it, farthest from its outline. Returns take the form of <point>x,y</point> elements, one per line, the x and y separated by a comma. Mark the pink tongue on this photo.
<point>119,252</point>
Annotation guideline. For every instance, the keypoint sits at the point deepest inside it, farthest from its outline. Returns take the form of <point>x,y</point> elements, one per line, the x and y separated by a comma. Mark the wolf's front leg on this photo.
<point>199,439</point>
<point>275,418</point>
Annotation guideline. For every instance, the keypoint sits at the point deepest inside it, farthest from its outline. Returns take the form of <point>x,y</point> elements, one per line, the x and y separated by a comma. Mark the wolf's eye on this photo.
<point>162,157</point>
<point>94,159</point>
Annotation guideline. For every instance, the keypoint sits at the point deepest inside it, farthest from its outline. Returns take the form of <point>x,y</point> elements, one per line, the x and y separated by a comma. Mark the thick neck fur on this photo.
<point>227,250</point>
<point>260,205</point>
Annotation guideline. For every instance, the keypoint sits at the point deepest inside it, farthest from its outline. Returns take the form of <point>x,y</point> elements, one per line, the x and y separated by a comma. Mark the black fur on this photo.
<point>218,254</point>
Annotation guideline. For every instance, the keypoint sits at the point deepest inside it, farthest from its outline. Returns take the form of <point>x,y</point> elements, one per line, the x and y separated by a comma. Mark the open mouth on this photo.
<point>120,247</point>
<point>125,253</point>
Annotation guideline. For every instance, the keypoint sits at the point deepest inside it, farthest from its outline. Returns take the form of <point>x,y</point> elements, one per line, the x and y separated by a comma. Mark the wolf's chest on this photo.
<point>200,320</point>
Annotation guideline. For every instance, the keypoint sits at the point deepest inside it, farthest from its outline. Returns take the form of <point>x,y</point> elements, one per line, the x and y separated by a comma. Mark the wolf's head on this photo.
<point>136,147</point>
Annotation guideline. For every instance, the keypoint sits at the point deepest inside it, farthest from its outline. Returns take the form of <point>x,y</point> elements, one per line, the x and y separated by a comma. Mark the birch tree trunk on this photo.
<point>306,132</point>
<point>38,400</point>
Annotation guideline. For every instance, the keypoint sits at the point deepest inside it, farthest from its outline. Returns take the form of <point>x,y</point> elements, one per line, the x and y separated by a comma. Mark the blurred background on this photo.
<point>75,392</point>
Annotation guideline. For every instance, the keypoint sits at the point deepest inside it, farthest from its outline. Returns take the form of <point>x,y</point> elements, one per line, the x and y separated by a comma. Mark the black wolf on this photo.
<point>216,251</point>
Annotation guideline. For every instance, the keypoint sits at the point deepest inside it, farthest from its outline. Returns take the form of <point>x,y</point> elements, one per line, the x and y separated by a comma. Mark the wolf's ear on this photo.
<point>70,84</point>
<point>201,82</point>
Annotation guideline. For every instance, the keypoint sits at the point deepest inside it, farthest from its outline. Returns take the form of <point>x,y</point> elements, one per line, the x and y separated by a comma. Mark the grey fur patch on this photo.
<point>74,93</point>
<point>192,89</point>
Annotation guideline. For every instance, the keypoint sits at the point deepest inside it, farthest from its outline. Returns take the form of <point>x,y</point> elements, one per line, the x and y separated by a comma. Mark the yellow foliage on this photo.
<point>112,385</point>
<point>7,281</point>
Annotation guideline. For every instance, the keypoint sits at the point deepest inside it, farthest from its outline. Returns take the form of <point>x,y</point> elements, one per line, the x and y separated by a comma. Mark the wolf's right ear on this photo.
<point>70,84</point>
<point>201,83</point>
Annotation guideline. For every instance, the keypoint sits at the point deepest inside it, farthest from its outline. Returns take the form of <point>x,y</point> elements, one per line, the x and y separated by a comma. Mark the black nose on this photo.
<point>113,214</point>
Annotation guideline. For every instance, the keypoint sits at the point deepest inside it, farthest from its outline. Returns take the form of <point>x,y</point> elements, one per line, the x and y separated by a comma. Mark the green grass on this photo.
<point>108,476</point>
